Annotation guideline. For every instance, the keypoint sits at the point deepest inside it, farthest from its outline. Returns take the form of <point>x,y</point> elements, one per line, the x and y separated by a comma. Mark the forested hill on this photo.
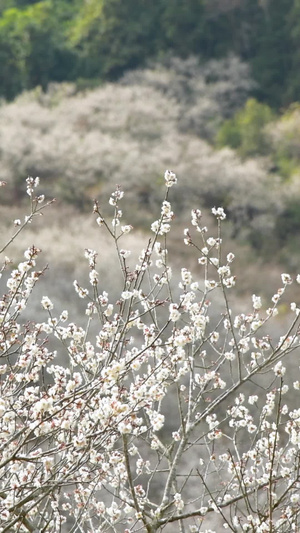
<point>88,41</point>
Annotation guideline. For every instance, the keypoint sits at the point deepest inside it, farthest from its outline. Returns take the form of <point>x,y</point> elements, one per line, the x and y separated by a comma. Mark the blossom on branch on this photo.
<point>162,407</point>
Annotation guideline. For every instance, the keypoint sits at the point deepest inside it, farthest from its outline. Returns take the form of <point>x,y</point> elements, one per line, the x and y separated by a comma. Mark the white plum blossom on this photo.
<point>279,369</point>
<point>219,213</point>
<point>174,313</point>
<point>256,302</point>
<point>170,178</point>
<point>127,228</point>
<point>286,279</point>
<point>186,276</point>
<point>178,501</point>
<point>46,303</point>
<point>210,284</point>
<point>93,277</point>
<point>126,295</point>
<point>253,399</point>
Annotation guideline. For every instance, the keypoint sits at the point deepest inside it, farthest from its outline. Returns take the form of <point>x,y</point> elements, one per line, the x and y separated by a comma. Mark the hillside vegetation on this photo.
<point>104,92</point>
<point>180,114</point>
<point>87,42</point>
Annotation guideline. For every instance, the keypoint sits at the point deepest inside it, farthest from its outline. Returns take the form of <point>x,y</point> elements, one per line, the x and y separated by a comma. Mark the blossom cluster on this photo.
<point>172,409</point>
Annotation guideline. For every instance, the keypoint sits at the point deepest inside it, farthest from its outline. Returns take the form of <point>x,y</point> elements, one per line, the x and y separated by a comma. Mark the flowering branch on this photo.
<point>150,414</point>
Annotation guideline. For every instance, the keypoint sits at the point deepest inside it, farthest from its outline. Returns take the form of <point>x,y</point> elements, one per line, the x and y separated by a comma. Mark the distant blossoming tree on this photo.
<point>173,416</point>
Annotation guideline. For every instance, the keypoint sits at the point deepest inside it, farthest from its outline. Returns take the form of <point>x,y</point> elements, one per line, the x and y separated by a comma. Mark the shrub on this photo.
<point>284,138</point>
<point>246,130</point>
<point>178,412</point>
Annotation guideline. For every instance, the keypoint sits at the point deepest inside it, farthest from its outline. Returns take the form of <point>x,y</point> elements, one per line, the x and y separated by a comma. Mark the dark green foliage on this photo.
<point>288,223</point>
<point>33,47</point>
<point>273,52</point>
<point>8,4</point>
<point>110,36</point>
<point>55,40</point>
<point>293,77</point>
<point>183,26</point>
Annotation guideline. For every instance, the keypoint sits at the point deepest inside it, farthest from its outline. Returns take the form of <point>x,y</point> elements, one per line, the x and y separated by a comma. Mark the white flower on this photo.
<point>211,241</point>
<point>279,370</point>
<point>115,222</point>
<point>93,277</point>
<point>286,279</point>
<point>174,313</point>
<point>295,498</point>
<point>109,310</point>
<point>126,229</point>
<point>126,295</point>
<point>114,512</point>
<point>155,226</point>
<point>253,399</point>
<point>64,316</point>
<point>170,178</point>
<point>186,276</point>
<point>178,502</point>
<point>124,427</point>
<point>256,324</point>
<point>214,337</point>
<point>46,303</point>
<point>219,213</point>
<point>157,420</point>
<point>164,228</point>
<point>295,309</point>
<point>82,293</point>
<point>256,300</point>
<point>43,405</point>
<point>210,284</point>
<point>166,210</point>
<point>224,271</point>
<point>230,356</point>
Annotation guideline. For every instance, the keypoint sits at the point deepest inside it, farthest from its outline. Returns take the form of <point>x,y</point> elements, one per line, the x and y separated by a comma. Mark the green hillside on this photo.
<point>91,41</point>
